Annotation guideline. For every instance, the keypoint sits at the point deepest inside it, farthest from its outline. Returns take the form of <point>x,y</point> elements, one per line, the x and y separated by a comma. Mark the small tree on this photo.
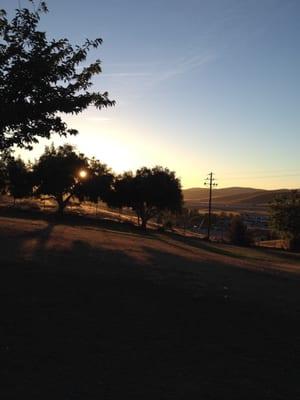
<point>238,232</point>
<point>40,79</point>
<point>57,174</point>
<point>285,217</point>
<point>148,192</point>
<point>19,179</point>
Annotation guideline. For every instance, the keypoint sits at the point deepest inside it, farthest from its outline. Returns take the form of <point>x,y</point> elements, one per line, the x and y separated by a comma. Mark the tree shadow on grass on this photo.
<point>93,322</point>
<point>197,243</point>
<point>70,219</point>
<point>14,243</point>
<point>259,254</point>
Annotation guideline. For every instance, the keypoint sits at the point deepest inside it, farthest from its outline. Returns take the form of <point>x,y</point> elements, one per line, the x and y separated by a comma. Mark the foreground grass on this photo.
<point>107,312</point>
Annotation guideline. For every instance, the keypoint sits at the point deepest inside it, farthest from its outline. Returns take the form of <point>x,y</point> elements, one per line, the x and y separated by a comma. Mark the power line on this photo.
<point>210,180</point>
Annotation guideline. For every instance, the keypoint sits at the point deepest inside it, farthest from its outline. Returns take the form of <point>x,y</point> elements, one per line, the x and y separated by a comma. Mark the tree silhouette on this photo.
<point>148,192</point>
<point>98,184</point>
<point>285,217</point>
<point>40,78</point>
<point>19,179</point>
<point>122,194</point>
<point>57,174</point>
<point>3,176</point>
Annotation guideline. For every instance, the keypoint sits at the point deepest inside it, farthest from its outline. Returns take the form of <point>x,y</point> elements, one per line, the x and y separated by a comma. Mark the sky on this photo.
<point>200,86</point>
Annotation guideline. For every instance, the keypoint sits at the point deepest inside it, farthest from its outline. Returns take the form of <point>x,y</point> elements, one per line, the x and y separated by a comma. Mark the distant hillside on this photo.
<point>238,196</point>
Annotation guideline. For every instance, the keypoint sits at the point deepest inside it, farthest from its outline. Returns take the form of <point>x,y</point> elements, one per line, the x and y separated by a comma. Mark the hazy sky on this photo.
<point>200,86</point>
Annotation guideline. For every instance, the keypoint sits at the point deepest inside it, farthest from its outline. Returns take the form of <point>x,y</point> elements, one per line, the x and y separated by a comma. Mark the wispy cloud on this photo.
<point>133,64</point>
<point>162,71</point>
<point>185,65</point>
<point>128,74</point>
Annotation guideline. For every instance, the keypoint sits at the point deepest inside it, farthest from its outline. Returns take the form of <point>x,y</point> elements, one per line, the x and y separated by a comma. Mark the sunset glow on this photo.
<point>82,174</point>
<point>205,87</point>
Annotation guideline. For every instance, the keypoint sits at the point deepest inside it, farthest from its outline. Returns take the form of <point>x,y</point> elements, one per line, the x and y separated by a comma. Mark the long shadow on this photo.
<point>210,247</point>
<point>279,253</point>
<point>95,323</point>
<point>197,243</point>
<point>42,235</point>
<point>13,245</point>
<point>74,220</point>
<point>127,227</point>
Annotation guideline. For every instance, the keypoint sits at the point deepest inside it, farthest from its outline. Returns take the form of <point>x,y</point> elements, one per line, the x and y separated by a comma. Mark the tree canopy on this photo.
<point>62,173</point>
<point>19,178</point>
<point>98,183</point>
<point>148,192</point>
<point>41,79</point>
<point>57,174</point>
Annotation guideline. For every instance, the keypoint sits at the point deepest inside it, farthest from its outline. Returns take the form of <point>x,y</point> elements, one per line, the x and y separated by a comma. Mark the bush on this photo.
<point>238,232</point>
<point>285,218</point>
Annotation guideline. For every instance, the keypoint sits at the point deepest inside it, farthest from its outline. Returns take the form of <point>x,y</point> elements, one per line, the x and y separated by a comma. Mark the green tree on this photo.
<point>148,192</point>
<point>285,217</point>
<point>40,79</point>
<point>57,174</point>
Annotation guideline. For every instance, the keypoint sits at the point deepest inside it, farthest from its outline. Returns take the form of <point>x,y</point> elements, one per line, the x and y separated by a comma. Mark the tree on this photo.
<point>238,232</point>
<point>98,184</point>
<point>40,78</point>
<point>148,192</point>
<point>57,174</point>
<point>285,217</point>
<point>3,176</point>
<point>5,156</point>
<point>122,194</point>
<point>19,179</point>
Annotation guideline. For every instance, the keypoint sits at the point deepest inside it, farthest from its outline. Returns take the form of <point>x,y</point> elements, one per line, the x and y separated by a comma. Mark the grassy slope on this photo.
<point>105,311</point>
<point>232,196</point>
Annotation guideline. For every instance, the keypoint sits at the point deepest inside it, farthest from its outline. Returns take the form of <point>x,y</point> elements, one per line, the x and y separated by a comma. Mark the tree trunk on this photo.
<point>61,205</point>
<point>142,216</point>
<point>144,220</point>
<point>61,208</point>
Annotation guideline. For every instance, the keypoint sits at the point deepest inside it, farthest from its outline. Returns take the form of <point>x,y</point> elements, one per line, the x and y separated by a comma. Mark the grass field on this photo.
<point>105,311</point>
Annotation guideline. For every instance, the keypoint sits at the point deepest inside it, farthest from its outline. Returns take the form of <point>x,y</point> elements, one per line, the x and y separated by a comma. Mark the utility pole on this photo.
<point>210,180</point>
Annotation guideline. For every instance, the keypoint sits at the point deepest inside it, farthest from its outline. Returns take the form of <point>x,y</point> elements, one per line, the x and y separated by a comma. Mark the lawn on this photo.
<point>102,310</point>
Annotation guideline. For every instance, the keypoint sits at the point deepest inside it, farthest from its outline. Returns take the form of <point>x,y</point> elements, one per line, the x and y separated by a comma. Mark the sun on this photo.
<point>82,173</point>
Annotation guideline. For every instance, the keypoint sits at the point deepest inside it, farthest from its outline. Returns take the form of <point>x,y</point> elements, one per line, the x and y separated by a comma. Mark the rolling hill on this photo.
<point>233,196</point>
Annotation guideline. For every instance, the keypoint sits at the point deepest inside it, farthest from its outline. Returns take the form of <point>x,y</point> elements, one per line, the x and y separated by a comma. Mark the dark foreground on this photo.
<point>90,313</point>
